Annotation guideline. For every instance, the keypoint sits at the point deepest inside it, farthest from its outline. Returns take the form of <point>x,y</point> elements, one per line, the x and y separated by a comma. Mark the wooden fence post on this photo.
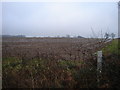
<point>99,61</point>
<point>99,66</point>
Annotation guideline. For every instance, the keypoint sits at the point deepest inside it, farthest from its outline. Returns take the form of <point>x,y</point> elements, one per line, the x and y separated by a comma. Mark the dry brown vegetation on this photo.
<point>51,62</point>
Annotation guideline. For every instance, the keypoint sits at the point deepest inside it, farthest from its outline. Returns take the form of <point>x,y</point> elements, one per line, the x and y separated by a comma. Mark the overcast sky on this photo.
<point>52,19</point>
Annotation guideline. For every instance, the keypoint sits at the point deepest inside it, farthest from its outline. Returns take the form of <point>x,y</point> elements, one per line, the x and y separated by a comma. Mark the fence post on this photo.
<point>99,66</point>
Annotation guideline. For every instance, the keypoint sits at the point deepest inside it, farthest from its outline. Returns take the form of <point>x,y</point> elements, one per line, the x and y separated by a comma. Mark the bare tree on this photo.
<point>112,35</point>
<point>107,35</point>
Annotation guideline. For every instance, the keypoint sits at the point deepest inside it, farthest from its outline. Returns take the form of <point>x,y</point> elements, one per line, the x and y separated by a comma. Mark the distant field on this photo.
<point>65,48</point>
<point>58,63</point>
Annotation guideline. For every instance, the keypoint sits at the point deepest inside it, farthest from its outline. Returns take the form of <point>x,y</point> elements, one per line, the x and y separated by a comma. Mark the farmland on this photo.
<point>57,63</point>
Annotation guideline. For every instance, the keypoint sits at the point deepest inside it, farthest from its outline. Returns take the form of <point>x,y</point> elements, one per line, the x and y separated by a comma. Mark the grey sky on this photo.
<point>52,19</point>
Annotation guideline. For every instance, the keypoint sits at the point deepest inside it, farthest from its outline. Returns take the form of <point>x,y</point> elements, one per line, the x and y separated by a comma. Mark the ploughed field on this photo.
<point>60,48</point>
<point>51,62</point>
